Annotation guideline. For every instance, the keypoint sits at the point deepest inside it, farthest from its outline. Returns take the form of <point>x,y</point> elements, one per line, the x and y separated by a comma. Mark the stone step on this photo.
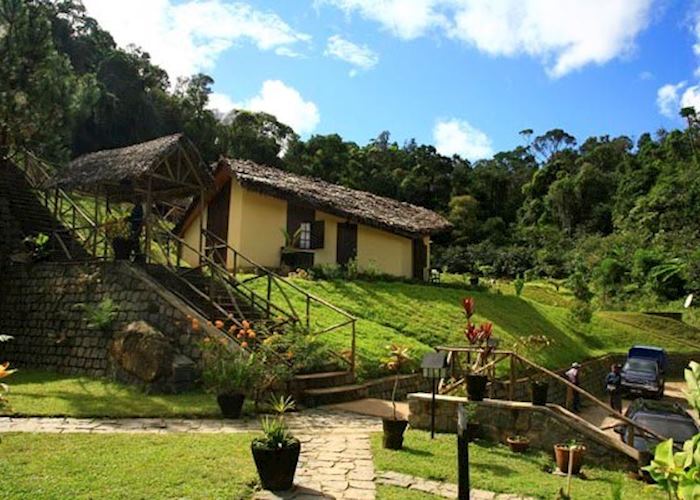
<point>333,395</point>
<point>323,380</point>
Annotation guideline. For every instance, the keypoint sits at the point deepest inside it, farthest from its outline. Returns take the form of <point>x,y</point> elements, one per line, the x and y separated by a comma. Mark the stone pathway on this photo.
<point>438,488</point>
<point>336,465</point>
<point>309,420</point>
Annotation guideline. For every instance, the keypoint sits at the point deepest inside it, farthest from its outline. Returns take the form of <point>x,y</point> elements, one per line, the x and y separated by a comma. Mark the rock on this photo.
<point>142,351</point>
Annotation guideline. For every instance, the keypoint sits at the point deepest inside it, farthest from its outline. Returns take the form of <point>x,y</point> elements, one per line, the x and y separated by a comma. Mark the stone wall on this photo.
<point>544,425</point>
<point>382,388</point>
<point>43,306</point>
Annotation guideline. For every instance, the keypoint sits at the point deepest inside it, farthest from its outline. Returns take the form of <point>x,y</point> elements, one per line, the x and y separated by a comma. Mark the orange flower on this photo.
<point>4,372</point>
<point>240,335</point>
<point>219,324</point>
<point>232,329</point>
<point>195,325</point>
<point>245,324</point>
<point>244,345</point>
<point>251,334</point>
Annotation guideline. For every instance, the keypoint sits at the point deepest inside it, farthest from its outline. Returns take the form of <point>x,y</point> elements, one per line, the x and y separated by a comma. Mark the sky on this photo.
<point>463,75</point>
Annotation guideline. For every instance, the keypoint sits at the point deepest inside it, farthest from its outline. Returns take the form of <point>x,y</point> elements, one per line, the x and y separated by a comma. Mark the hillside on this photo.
<point>423,317</point>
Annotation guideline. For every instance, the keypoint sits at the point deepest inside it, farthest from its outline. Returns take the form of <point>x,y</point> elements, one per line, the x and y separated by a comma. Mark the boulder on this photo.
<point>142,351</point>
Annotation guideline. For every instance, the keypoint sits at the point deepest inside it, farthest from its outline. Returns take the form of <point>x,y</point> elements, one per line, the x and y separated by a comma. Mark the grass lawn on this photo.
<point>495,468</point>
<point>423,317</point>
<point>39,466</point>
<point>43,393</point>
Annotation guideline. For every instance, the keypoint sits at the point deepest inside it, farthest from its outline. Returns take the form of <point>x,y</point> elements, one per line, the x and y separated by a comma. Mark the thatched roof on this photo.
<point>172,163</point>
<point>357,206</point>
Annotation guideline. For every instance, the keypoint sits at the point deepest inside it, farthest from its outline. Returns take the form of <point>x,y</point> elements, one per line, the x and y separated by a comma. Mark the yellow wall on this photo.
<point>255,230</point>
<point>261,220</point>
<point>384,252</point>
<point>189,255</point>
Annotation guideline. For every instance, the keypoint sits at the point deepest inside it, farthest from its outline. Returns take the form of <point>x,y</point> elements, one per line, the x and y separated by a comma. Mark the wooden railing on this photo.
<point>460,365</point>
<point>76,224</point>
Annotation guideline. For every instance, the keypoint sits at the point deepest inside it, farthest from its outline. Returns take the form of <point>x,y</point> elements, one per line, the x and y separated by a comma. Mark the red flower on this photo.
<point>486,330</point>
<point>468,304</point>
<point>472,333</point>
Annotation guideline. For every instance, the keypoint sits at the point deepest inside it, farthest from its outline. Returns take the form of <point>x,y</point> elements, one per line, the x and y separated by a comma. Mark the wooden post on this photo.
<point>462,454</point>
<point>511,385</point>
<point>352,349</point>
<point>147,217</point>
<point>269,293</point>
<point>308,313</point>
<point>201,222</point>
<point>94,229</point>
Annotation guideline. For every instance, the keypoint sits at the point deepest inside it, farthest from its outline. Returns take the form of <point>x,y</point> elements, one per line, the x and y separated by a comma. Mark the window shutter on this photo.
<point>318,233</point>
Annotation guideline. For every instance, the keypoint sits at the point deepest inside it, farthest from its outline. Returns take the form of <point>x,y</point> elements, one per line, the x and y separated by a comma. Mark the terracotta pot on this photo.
<point>561,455</point>
<point>476,387</point>
<point>231,405</point>
<point>393,433</point>
<point>276,467</point>
<point>518,446</point>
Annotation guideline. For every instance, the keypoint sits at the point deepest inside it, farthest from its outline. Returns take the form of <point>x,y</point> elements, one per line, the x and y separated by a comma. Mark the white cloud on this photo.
<point>565,34</point>
<point>189,36</point>
<point>221,103</point>
<point>360,56</point>
<point>690,98</point>
<point>285,103</point>
<point>668,99</point>
<point>453,136</point>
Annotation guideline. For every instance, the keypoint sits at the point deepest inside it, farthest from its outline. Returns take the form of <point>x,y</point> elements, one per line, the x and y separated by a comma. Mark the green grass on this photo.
<point>386,492</point>
<point>48,466</point>
<point>423,317</point>
<point>495,468</point>
<point>42,393</point>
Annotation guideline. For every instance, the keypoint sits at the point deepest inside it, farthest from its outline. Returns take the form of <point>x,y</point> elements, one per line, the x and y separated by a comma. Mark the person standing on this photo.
<point>613,386</point>
<point>135,220</point>
<point>573,375</point>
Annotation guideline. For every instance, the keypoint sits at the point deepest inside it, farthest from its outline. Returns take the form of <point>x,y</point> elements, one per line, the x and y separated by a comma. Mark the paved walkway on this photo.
<point>438,488</point>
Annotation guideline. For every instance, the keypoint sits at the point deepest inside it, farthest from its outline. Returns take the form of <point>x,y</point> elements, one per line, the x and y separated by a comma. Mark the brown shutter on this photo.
<point>318,234</point>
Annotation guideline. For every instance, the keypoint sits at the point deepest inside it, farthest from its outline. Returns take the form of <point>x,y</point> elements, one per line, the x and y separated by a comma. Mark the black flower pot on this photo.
<point>393,433</point>
<point>476,387</point>
<point>276,467</point>
<point>539,393</point>
<point>231,404</point>
<point>122,248</point>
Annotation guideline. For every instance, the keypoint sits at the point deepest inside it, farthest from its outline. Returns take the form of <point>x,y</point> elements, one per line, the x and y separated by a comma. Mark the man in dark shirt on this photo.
<point>136,225</point>
<point>613,386</point>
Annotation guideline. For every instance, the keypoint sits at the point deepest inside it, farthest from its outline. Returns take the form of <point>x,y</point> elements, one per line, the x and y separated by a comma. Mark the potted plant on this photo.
<point>117,230</point>
<point>477,336</point>
<point>395,427</point>
<point>276,453</point>
<point>518,443</point>
<point>539,386</point>
<point>228,372</point>
<point>573,449</point>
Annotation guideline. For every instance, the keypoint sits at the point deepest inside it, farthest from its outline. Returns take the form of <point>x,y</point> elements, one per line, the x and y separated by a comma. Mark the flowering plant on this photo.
<point>226,369</point>
<point>477,336</point>
<point>398,357</point>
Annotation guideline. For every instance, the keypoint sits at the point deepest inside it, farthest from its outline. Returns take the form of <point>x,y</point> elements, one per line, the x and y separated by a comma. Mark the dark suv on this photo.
<point>667,419</point>
<point>643,372</point>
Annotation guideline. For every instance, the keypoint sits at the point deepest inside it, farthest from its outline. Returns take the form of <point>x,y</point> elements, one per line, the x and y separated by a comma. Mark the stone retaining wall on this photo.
<point>43,306</point>
<point>382,388</point>
<point>544,425</point>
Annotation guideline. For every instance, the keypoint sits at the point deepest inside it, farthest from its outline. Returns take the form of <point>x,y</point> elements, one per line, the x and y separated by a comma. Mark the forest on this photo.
<point>616,217</point>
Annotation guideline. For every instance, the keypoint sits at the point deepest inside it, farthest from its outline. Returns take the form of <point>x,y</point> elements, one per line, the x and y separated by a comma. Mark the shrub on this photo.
<point>303,351</point>
<point>227,370</point>
<point>519,285</point>
<point>100,316</point>
<point>581,311</point>
<point>326,272</point>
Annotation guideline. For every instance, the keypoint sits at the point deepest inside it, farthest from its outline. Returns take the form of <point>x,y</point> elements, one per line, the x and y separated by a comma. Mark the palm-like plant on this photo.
<point>398,357</point>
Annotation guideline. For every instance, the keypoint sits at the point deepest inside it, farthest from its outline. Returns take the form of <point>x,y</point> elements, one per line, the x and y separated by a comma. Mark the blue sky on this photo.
<point>464,75</point>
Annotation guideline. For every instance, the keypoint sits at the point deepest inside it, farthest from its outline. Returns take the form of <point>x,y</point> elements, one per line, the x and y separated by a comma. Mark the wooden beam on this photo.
<point>147,218</point>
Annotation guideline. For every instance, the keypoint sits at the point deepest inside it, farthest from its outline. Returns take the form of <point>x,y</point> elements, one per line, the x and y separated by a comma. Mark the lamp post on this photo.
<point>434,366</point>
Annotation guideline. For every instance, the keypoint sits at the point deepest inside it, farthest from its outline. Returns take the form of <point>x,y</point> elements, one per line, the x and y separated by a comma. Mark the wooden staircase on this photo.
<point>33,217</point>
<point>318,389</point>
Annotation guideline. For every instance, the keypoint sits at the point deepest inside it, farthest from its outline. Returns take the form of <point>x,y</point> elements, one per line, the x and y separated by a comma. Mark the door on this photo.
<point>217,224</point>
<point>347,243</point>
<point>420,258</point>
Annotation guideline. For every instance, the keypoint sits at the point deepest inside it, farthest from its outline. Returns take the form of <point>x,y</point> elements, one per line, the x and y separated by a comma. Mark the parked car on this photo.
<point>643,372</point>
<point>665,418</point>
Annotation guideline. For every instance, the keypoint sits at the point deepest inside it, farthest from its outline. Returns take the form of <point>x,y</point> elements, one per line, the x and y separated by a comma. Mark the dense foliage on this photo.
<point>618,214</point>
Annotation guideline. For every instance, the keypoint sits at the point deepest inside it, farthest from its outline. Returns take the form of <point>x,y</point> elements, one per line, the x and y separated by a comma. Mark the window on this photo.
<point>305,235</point>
